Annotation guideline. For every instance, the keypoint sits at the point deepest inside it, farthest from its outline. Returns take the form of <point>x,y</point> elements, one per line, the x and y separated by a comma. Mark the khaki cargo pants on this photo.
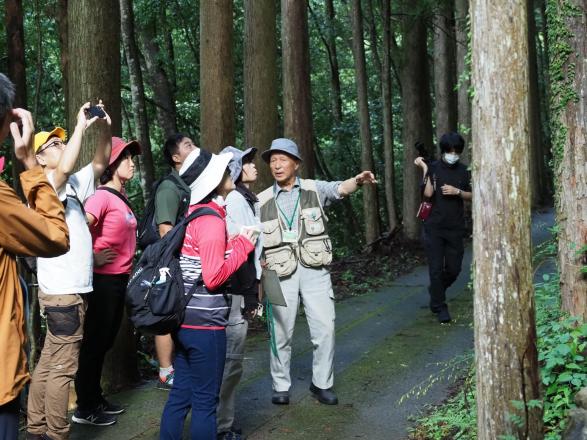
<point>49,390</point>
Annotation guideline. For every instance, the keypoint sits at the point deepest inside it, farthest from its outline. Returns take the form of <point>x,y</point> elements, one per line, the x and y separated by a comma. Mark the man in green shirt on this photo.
<point>171,201</point>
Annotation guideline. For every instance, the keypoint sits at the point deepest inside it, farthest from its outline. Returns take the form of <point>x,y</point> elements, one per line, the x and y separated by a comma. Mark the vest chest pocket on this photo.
<point>316,251</point>
<point>282,260</point>
<point>271,233</point>
<point>313,221</point>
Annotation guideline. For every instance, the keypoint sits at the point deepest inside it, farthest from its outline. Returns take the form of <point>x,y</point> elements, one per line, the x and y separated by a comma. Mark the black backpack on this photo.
<point>155,297</point>
<point>147,230</point>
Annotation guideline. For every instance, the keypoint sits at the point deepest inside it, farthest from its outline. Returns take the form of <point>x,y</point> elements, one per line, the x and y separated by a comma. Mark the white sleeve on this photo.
<point>62,193</point>
<point>83,182</point>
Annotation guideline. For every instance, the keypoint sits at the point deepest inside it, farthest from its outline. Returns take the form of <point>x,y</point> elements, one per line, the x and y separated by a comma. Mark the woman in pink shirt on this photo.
<point>113,227</point>
<point>208,259</point>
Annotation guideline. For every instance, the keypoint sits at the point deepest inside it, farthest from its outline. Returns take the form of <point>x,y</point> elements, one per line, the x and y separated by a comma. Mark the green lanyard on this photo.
<point>289,221</point>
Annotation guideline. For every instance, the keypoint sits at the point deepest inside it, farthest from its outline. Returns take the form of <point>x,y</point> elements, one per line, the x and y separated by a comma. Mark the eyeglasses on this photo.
<point>56,143</point>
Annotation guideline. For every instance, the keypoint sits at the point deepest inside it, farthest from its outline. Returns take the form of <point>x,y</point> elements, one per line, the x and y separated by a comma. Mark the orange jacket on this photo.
<point>36,231</point>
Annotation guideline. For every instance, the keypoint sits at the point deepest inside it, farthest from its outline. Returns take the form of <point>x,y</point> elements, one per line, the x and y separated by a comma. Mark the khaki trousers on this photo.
<point>49,390</point>
<point>314,287</point>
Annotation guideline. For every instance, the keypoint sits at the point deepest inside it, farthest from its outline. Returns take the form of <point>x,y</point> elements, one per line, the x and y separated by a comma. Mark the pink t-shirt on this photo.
<point>115,228</point>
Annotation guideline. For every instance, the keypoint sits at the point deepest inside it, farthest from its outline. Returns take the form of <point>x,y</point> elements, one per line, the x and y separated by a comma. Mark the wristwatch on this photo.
<point>459,193</point>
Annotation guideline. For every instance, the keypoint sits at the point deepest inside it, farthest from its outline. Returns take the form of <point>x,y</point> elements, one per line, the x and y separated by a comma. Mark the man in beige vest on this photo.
<point>296,245</point>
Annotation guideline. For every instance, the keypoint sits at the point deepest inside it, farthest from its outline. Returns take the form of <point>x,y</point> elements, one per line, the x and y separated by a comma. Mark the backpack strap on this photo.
<point>117,194</point>
<point>200,212</point>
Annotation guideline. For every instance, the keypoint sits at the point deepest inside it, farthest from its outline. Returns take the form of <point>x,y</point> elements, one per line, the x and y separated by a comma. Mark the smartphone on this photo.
<point>255,229</point>
<point>95,111</point>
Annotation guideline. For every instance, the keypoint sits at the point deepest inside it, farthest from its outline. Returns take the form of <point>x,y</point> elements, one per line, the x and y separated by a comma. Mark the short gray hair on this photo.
<point>6,96</point>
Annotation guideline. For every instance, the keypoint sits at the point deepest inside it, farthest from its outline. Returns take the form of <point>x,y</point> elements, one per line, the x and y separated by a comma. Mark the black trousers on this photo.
<point>444,248</point>
<point>103,318</point>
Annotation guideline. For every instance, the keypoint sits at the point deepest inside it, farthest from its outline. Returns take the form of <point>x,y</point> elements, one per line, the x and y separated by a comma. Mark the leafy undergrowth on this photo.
<point>562,347</point>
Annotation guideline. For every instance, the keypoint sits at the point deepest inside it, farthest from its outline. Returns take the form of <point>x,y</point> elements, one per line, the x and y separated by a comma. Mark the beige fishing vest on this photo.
<point>313,247</point>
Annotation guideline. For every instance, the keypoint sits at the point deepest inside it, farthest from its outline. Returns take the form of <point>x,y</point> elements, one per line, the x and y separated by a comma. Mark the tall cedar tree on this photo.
<point>261,117</point>
<point>445,69</point>
<point>139,108</point>
<point>416,108</point>
<point>370,210</point>
<point>217,123</point>
<point>94,72</point>
<point>297,96</point>
<point>570,134</point>
<point>505,331</point>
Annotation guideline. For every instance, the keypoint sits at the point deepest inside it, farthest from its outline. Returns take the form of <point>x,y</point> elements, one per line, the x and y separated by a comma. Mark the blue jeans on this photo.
<point>199,364</point>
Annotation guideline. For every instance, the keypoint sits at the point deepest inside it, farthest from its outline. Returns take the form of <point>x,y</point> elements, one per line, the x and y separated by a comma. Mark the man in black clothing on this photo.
<point>447,182</point>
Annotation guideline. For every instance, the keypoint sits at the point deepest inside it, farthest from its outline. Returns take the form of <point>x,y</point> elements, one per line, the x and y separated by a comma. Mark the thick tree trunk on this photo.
<point>16,69</point>
<point>416,109</point>
<point>388,155</point>
<point>139,107</point>
<point>569,69</point>
<point>261,117</point>
<point>370,209</point>
<point>505,332</point>
<point>158,80</point>
<point>464,102</point>
<point>297,96</point>
<point>96,74</point>
<point>335,93</point>
<point>217,123</point>
<point>96,70</point>
<point>445,70</point>
<point>538,185</point>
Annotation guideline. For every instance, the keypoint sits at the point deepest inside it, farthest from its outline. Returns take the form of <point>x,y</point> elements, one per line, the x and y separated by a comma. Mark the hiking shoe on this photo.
<point>96,418</point>
<point>280,398</point>
<point>229,435</point>
<point>443,315</point>
<point>167,382</point>
<point>325,396</point>
<point>110,408</point>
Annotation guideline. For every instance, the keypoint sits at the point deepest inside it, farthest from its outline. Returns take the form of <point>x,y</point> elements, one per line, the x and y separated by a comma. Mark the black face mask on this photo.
<point>197,167</point>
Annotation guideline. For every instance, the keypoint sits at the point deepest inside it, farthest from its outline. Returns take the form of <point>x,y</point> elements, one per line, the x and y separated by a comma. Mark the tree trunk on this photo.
<point>569,131</point>
<point>96,74</point>
<point>463,72</point>
<point>537,164</point>
<point>217,119</point>
<point>139,107</point>
<point>505,332</point>
<point>158,80</point>
<point>297,96</point>
<point>16,70</point>
<point>388,155</point>
<point>261,117</point>
<point>370,209</point>
<point>416,109</point>
<point>335,93</point>
<point>444,70</point>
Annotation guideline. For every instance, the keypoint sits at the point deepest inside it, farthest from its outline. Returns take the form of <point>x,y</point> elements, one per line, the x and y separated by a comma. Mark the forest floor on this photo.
<point>393,361</point>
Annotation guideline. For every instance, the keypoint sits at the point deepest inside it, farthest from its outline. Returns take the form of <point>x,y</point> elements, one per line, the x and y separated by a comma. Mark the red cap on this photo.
<point>1,164</point>
<point>119,145</point>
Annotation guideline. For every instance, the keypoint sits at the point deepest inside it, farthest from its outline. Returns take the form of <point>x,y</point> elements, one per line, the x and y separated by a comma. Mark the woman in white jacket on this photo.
<point>241,212</point>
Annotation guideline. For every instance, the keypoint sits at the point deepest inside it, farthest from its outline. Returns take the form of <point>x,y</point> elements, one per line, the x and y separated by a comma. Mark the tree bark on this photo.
<point>95,73</point>
<point>157,78</point>
<point>445,70</point>
<point>388,155</point>
<point>16,70</point>
<point>505,332</point>
<point>139,108</point>
<point>416,109</point>
<point>217,118</point>
<point>297,96</point>
<point>537,165</point>
<point>370,208</point>
<point>261,117</point>
<point>570,153</point>
<point>463,75</point>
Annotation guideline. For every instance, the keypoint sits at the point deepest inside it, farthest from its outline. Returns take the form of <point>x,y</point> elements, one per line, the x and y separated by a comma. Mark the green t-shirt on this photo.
<point>169,199</point>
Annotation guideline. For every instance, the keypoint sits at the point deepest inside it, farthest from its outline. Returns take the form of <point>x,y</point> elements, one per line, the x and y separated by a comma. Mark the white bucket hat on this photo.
<point>203,172</point>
